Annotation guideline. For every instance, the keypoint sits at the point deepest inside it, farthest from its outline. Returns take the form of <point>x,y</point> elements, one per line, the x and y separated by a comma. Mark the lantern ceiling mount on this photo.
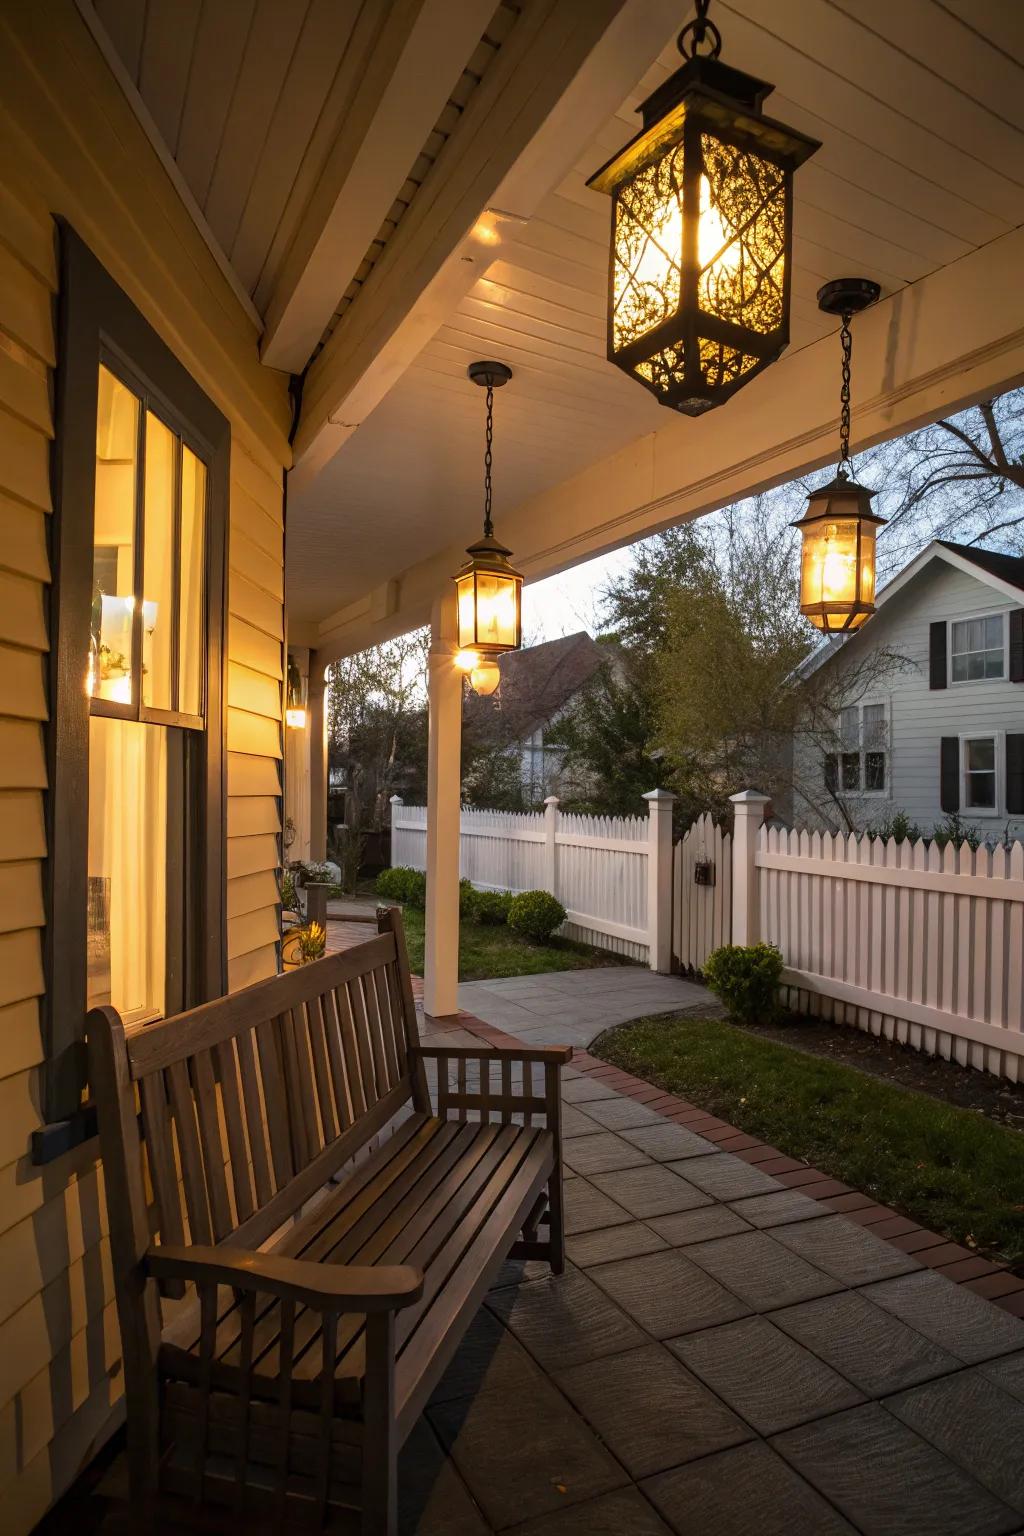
<point>702,231</point>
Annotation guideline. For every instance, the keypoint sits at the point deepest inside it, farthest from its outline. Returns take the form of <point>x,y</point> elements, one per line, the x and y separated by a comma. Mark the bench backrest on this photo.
<point>250,1103</point>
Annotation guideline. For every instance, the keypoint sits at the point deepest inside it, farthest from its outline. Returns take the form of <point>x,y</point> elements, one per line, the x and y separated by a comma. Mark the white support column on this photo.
<point>444,777</point>
<point>659,879</point>
<point>396,802</point>
<point>748,815</point>
<point>317,760</point>
<point>550,844</point>
<point>296,769</point>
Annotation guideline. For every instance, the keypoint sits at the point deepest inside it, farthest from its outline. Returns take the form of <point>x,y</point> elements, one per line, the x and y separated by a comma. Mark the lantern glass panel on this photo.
<point>647,265</point>
<point>496,610</point>
<point>741,238</point>
<point>829,562</point>
<point>465,587</point>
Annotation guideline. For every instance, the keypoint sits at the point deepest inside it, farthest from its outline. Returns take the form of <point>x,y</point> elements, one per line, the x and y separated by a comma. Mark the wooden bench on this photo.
<point>323,1237</point>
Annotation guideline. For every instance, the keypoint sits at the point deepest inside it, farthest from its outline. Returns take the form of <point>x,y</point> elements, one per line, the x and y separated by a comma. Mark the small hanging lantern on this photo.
<point>295,704</point>
<point>837,563</point>
<point>702,216</point>
<point>489,588</point>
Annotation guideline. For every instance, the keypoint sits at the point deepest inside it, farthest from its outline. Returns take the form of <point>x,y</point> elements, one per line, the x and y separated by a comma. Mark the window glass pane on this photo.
<point>127,921</point>
<point>980,754</point>
<point>851,770</point>
<point>874,770</point>
<point>977,649</point>
<point>192,641</point>
<point>109,667</point>
<point>959,669</point>
<point>849,726</point>
<point>874,726</point>
<point>993,635</point>
<point>158,577</point>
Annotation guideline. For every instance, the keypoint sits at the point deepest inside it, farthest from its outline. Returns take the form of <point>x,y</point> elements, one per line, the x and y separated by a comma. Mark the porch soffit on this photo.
<point>920,110</point>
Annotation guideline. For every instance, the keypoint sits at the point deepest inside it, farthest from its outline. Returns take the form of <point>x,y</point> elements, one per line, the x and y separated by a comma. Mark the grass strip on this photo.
<point>487,952</point>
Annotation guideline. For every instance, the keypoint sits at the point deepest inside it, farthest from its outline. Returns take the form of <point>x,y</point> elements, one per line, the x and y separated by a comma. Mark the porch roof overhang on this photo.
<point>399,193</point>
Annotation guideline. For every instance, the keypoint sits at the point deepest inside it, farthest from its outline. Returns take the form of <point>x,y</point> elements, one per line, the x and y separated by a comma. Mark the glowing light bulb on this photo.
<point>467,660</point>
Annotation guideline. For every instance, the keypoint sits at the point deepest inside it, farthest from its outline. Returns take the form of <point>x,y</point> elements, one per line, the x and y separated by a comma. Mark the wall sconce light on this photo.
<point>295,707</point>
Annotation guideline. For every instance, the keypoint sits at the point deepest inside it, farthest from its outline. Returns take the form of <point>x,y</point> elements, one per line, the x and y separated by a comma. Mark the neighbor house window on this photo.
<point>979,759</point>
<point>978,648</point>
<point>861,766</point>
<point>136,901</point>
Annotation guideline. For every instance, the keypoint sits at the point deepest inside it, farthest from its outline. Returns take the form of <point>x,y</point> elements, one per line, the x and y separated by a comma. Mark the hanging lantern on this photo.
<point>489,588</point>
<point>295,705</point>
<point>837,562</point>
<point>702,213</point>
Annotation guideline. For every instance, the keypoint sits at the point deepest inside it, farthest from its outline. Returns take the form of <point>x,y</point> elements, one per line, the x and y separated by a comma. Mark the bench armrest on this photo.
<point>550,1055</point>
<point>323,1287</point>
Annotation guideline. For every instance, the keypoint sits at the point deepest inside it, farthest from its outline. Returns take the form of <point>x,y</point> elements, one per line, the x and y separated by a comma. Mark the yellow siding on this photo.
<point>70,145</point>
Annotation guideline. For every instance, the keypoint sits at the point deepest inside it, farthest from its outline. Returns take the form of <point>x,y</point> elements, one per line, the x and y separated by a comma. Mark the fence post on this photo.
<point>395,802</point>
<point>659,879</point>
<point>550,844</point>
<point>748,815</point>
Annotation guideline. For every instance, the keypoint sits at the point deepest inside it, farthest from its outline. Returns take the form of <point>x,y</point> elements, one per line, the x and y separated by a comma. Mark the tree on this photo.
<point>377,726</point>
<point>610,759</point>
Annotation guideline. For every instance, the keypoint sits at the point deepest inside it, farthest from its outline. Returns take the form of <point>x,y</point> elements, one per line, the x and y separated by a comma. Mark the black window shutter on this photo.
<point>1015,775</point>
<point>937,677</point>
<point>949,774</point>
<point>1017,645</point>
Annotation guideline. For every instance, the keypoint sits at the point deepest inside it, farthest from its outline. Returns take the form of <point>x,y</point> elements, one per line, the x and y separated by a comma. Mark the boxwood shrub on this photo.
<point>746,978</point>
<point>535,914</point>
<point>408,886</point>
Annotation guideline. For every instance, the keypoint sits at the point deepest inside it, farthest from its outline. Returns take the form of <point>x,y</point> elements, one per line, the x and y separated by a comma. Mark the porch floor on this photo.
<point>723,1354</point>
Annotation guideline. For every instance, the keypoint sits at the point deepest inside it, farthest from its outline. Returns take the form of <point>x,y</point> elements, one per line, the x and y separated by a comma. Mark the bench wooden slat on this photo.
<point>364,1044</point>
<point>255,1117</point>
<point>336,1060</point>
<point>321,1069</point>
<point>353,1062</point>
<point>377,991</point>
<point>156,1123</point>
<point>272,1079</point>
<point>231,1103</point>
<point>183,1109</point>
<point>209,1140</point>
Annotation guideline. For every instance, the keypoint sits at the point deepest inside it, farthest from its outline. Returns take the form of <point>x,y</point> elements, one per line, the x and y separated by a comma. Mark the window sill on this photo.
<point>62,1136</point>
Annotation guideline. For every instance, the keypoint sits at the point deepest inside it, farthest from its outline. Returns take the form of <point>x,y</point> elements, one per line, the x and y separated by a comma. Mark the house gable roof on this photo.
<point>539,681</point>
<point>1004,573</point>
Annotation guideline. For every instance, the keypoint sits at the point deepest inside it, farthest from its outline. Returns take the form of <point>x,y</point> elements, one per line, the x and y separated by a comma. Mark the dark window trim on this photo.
<point>97,320</point>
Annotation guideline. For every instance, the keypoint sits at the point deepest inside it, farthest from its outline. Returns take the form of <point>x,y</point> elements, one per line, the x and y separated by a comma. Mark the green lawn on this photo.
<point>948,1168</point>
<point>487,952</point>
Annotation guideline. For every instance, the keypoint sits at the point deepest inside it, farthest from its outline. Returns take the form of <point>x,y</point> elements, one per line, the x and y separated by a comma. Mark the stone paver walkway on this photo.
<point>577,1005</point>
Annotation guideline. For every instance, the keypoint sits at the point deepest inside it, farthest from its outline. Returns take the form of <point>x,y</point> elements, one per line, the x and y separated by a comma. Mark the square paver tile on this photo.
<point>650,1412</point>
<point>772,1381</point>
<point>622,1513</point>
<point>774,1210</point>
<point>665,1141</point>
<point>975,1424</point>
<point>867,1345</point>
<point>624,1114</point>
<point>601,1153</point>
<point>582,1090</point>
<point>565,1320</point>
<point>844,1250</point>
<point>519,1271</point>
<point>524,1455</point>
<point>432,1498</point>
<point>608,1243</point>
<point>587,1208</point>
<point>653,1190</point>
<point>1008,1374</point>
<point>760,1270</point>
<point>700,1226</point>
<point>487,1357</point>
<point>727,1177</point>
<point>666,1294</point>
<point>576,1123</point>
<point>954,1318</point>
<point>888,1480</point>
<point>748,1491</point>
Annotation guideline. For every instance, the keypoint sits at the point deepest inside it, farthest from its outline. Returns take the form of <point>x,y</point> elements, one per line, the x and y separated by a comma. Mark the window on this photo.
<point>978,759</point>
<point>861,766</point>
<point>136,753</point>
<point>978,648</point>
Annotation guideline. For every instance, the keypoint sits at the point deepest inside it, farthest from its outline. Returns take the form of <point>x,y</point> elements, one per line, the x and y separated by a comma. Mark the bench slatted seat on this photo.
<point>324,1236</point>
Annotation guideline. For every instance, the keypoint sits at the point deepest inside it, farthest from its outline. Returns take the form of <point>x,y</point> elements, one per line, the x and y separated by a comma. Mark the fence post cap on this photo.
<point>664,796</point>
<point>552,800</point>
<point>750,797</point>
<point>396,800</point>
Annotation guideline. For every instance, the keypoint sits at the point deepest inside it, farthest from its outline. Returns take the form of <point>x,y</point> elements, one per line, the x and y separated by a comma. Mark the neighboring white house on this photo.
<point>942,731</point>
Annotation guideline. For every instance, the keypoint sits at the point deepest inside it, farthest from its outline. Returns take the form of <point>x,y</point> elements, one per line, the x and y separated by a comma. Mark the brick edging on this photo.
<point>993,1281</point>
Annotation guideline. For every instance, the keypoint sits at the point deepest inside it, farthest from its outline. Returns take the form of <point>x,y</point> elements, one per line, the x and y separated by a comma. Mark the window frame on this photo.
<point>966,618</point>
<point>998,740</point>
<point>98,323</point>
<point>861,753</point>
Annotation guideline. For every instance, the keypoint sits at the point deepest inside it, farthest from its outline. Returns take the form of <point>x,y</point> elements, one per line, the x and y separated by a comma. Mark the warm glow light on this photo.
<point>488,607</point>
<point>467,660</point>
<point>119,690</point>
<point>837,562</point>
<point>295,719</point>
<point>485,678</point>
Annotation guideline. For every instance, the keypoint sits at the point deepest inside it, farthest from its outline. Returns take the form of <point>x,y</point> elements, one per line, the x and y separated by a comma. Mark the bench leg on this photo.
<point>556,1221</point>
<point>380,1441</point>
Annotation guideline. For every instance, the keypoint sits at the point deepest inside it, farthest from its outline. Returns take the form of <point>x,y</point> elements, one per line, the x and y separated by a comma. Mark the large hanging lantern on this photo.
<point>295,699</point>
<point>489,588</point>
<point>837,562</point>
<point>702,212</point>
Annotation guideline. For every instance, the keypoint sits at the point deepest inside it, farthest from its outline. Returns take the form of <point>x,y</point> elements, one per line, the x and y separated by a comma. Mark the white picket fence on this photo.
<point>921,945</point>
<point>597,866</point>
<point>701,913</point>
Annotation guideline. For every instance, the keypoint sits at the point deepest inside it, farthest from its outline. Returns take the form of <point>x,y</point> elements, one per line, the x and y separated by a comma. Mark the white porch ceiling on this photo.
<point>921,117</point>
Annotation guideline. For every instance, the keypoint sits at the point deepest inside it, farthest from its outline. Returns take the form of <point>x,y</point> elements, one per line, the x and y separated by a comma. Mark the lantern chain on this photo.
<point>699,31</point>
<point>488,460</point>
<point>846,336</point>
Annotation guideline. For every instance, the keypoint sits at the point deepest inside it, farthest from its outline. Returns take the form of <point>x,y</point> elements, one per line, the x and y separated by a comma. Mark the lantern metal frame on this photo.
<point>703,97</point>
<point>843,499</point>
<point>488,556</point>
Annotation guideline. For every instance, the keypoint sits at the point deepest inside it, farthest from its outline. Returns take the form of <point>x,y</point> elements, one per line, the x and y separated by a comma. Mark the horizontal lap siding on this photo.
<point>69,144</point>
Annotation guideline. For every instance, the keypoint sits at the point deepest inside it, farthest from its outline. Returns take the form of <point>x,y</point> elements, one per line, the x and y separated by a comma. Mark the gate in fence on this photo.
<point>701,894</point>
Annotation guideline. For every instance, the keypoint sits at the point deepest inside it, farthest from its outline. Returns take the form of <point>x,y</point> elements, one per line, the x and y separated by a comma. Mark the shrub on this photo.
<point>408,886</point>
<point>492,907</point>
<point>746,978</point>
<point>312,943</point>
<point>289,895</point>
<point>535,914</point>
<point>467,901</point>
<point>898,827</point>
